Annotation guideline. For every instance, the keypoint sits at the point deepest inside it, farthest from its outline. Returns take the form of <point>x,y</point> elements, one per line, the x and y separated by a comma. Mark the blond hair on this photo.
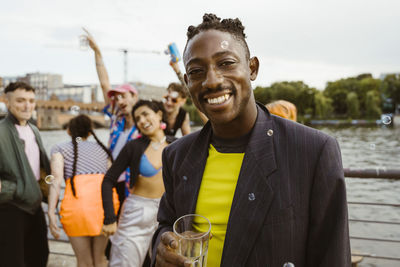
<point>283,108</point>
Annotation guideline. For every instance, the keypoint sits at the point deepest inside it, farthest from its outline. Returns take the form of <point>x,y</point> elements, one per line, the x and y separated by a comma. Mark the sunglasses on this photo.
<point>173,99</point>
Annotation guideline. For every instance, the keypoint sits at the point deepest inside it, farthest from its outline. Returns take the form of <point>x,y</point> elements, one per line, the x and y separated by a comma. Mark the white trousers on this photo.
<point>136,226</point>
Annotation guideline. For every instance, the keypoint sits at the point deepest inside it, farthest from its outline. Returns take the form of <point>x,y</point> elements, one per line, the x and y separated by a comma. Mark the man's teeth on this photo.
<point>218,100</point>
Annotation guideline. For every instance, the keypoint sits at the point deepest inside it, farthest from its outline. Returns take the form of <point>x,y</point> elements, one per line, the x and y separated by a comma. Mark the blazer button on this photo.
<point>270,132</point>
<point>288,264</point>
<point>252,197</point>
<point>184,178</point>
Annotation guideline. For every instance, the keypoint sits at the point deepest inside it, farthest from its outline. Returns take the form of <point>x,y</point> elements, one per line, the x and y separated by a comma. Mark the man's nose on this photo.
<point>213,79</point>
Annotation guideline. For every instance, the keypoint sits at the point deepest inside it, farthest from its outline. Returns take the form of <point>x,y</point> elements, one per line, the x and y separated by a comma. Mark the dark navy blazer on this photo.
<point>290,200</point>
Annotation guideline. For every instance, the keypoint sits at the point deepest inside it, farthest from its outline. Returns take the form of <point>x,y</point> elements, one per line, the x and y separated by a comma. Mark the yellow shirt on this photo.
<point>215,197</point>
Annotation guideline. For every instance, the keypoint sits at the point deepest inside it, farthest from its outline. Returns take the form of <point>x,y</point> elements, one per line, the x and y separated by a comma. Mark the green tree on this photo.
<point>373,103</point>
<point>263,94</point>
<point>323,106</point>
<point>391,87</point>
<point>353,105</point>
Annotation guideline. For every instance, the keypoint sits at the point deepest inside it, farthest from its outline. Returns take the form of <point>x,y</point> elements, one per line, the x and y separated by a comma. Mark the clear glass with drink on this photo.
<point>193,233</point>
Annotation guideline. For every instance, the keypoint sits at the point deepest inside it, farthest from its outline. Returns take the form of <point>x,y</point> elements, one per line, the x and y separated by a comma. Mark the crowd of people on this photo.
<point>272,189</point>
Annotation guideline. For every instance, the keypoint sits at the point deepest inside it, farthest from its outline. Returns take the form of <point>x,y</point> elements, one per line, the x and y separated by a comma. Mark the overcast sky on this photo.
<point>311,40</point>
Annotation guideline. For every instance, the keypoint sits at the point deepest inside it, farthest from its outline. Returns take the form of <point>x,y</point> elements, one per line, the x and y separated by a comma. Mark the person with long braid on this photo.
<point>83,164</point>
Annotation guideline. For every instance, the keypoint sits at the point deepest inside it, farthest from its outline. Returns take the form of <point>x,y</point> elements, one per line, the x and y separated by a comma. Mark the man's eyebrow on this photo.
<point>218,54</point>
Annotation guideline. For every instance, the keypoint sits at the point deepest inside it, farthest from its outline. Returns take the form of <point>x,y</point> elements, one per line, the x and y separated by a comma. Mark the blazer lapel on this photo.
<point>253,194</point>
<point>191,171</point>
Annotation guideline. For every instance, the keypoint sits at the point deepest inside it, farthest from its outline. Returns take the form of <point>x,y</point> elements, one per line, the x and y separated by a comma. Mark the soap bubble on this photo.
<point>372,146</point>
<point>75,108</point>
<point>78,139</point>
<point>224,44</point>
<point>49,179</point>
<point>386,120</point>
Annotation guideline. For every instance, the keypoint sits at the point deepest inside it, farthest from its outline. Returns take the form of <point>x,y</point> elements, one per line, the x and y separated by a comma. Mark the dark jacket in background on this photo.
<point>15,171</point>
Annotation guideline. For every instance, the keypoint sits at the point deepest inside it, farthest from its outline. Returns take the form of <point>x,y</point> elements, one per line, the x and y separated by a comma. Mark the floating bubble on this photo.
<point>49,179</point>
<point>78,139</point>
<point>288,264</point>
<point>224,44</point>
<point>83,43</point>
<point>75,108</point>
<point>372,146</point>
<point>386,120</point>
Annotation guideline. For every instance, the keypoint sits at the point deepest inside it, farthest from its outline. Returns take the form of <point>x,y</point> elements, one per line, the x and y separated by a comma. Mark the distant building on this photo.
<point>78,93</point>
<point>44,83</point>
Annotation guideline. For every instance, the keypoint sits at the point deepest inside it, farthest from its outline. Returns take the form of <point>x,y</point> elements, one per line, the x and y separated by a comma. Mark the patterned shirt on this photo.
<point>91,157</point>
<point>117,127</point>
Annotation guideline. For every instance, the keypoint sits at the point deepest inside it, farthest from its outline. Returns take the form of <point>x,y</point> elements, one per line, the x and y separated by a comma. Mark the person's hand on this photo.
<point>175,67</point>
<point>54,229</point>
<point>91,41</point>
<point>166,255</point>
<point>109,229</point>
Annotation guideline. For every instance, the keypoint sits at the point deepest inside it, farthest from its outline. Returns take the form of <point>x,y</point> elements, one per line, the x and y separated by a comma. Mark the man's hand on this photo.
<point>109,229</point>
<point>166,255</point>
<point>54,229</point>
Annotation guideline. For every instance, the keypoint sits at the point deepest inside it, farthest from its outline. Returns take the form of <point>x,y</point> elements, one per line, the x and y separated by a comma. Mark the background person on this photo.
<point>280,195</point>
<point>283,108</point>
<point>23,229</point>
<point>177,117</point>
<point>82,164</point>
<point>137,223</point>
<point>120,101</point>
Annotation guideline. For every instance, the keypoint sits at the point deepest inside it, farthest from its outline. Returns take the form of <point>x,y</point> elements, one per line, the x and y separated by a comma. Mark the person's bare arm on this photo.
<point>186,125</point>
<point>100,67</point>
<point>57,170</point>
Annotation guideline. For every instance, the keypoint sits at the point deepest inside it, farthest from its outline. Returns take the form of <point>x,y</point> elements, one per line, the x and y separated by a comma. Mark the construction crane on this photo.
<point>125,52</point>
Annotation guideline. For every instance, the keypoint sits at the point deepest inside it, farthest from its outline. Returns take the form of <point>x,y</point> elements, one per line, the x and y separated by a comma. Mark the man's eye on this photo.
<point>227,63</point>
<point>194,71</point>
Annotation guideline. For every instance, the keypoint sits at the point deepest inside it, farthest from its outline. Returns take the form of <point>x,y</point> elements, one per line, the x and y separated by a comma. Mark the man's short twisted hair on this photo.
<point>212,22</point>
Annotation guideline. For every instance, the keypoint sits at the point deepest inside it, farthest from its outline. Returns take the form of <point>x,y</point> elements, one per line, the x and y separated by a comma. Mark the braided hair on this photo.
<point>212,22</point>
<point>80,127</point>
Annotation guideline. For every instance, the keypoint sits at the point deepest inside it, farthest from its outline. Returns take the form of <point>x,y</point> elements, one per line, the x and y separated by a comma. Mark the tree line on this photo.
<point>360,97</point>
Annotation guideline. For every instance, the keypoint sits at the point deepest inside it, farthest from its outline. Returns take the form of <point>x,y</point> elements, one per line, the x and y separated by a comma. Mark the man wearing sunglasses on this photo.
<point>177,117</point>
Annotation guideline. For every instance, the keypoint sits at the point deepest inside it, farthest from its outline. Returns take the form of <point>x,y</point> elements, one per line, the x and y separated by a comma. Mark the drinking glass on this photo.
<point>193,233</point>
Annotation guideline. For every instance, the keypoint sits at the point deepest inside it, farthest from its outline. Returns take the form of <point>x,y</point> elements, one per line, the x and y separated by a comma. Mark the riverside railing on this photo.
<point>377,173</point>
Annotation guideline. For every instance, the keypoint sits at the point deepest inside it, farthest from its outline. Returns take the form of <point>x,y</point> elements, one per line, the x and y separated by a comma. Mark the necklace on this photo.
<point>156,145</point>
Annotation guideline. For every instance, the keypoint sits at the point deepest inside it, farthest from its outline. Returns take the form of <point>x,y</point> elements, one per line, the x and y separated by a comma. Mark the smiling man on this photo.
<point>23,229</point>
<point>273,189</point>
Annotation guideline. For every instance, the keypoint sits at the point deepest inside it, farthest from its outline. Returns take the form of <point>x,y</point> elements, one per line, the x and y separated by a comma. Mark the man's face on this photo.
<point>173,101</point>
<point>218,75</point>
<point>125,102</point>
<point>21,104</point>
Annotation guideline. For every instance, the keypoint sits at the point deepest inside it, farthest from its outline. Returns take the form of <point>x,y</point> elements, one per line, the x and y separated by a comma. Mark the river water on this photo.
<point>362,147</point>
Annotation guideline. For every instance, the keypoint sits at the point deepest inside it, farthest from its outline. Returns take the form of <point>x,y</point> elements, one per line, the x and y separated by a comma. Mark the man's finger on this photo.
<point>168,239</point>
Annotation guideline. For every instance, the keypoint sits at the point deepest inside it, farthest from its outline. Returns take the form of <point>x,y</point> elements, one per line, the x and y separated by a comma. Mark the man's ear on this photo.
<point>254,65</point>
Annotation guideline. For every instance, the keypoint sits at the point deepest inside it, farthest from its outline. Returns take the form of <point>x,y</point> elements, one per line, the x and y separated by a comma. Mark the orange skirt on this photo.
<point>83,215</point>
